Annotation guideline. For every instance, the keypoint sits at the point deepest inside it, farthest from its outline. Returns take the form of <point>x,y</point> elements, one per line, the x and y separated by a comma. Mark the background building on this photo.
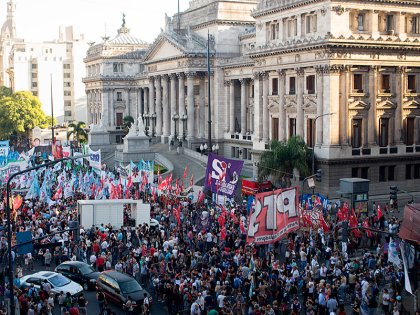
<point>35,66</point>
<point>343,75</point>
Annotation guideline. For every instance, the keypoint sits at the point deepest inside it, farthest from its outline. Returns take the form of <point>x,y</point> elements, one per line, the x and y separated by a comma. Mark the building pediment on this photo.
<point>163,50</point>
<point>386,104</point>
<point>358,104</point>
<point>412,104</point>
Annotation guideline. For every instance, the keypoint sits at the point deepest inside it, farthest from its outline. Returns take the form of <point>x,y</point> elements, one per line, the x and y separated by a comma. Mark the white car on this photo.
<point>57,281</point>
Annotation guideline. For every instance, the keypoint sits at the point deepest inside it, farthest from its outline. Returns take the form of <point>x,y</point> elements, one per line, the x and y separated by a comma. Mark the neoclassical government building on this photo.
<point>344,75</point>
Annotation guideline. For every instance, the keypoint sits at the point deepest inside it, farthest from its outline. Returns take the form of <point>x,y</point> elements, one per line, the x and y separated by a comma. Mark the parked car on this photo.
<point>118,286</point>
<point>80,272</point>
<point>57,281</point>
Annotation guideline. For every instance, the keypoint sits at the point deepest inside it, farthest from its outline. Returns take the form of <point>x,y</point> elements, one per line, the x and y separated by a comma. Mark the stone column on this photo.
<point>166,115</point>
<point>181,102</point>
<point>244,83</point>
<point>105,109</point>
<point>173,105</point>
<point>345,89</point>
<point>214,108</point>
<point>319,104</point>
<point>111,105</point>
<point>151,103</point>
<point>146,100</point>
<point>201,123</point>
<point>400,89</point>
<point>282,111</point>
<point>227,112</point>
<point>265,113</point>
<point>258,121</point>
<point>373,90</point>
<point>190,105</point>
<point>232,107</point>
<point>299,103</point>
<point>158,106</point>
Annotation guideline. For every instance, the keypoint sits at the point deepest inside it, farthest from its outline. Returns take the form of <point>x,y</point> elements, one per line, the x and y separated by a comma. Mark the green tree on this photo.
<point>20,112</point>
<point>78,132</point>
<point>127,122</point>
<point>282,159</point>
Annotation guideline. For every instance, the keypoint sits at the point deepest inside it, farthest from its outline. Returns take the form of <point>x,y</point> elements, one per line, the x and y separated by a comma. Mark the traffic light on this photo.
<point>74,226</point>
<point>343,231</point>
<point>318,175</point>
<point>393,191</point>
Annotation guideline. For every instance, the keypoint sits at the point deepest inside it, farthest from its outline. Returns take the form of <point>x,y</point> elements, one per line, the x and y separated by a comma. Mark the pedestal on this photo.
<point>135,144</point>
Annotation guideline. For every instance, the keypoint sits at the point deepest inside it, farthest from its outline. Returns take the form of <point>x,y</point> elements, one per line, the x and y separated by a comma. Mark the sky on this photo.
<point>39,20</point>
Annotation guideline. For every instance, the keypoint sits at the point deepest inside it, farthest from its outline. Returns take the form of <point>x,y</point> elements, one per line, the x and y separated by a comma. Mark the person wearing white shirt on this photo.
<point>221,300</point>
<point>195,309</point>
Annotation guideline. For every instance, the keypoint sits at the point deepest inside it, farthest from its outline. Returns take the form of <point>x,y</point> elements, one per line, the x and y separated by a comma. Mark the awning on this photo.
<point>410,230</point>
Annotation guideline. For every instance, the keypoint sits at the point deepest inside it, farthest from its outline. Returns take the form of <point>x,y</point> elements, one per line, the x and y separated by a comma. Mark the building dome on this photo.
<point>125,38</point>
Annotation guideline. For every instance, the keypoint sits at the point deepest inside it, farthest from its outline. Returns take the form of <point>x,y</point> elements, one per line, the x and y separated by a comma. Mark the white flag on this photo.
<point>393,254</point>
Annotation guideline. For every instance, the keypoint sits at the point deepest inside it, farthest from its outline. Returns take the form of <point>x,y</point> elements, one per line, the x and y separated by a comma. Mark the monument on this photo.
<point>136,140</point>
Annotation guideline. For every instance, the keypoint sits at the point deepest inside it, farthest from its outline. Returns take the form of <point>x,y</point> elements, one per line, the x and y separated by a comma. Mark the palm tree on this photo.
<point>127,122</point>
<point>78,132</point>
<point>282,159</point>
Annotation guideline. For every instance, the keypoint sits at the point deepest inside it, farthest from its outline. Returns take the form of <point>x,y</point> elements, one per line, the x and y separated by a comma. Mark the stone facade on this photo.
<point>344,75</point>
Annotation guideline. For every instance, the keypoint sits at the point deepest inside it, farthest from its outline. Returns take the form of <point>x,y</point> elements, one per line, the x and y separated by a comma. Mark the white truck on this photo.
<point>96,212</point>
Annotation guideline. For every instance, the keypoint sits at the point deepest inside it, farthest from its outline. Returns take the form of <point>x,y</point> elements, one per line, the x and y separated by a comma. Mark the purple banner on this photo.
<point>222,175</point>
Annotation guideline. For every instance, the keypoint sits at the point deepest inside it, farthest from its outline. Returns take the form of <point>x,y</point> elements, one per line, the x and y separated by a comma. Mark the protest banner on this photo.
<point>222,175</point>
<point>274,215</point>
<point>95,158</point>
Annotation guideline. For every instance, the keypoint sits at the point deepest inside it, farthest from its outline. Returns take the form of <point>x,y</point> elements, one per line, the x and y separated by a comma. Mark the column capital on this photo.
<point>300,72</point>
<point>172,76</point>
<point>151,79</point>
<point>374,69</point>
<point>180,75</point>
<point>227,82</point>
<point>165,77</point>
<point>401,70</point>
<point>331,69</point>
<point>320,70</point>
<point>281,72</point>
<point>256,75</point>
<point>264,75</point>
<point>243,81</point>
<point>191,74</point>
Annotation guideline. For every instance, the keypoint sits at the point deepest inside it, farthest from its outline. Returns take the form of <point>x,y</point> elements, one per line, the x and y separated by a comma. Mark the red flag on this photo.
<point>241,226</point>
<point>130,182</point>
<point>366,224</point>
<point>222,220</point>
<point>200,197</point>
<point>353,220</point>
<point>185,171</point>
<point>323,224</point>
<point>380,214</point>
<point>58,193</point>
<point>17,202</point>
<point>306,220</point>
<point>223,233</point>
<point>192,180</point>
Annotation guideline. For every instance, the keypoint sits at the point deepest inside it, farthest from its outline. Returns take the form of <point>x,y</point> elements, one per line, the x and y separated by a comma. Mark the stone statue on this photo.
<point>123,20</point>
<point>132,131</point>
<point>140,127</point>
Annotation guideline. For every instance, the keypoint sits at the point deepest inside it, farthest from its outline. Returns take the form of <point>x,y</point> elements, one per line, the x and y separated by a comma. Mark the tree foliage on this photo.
<point>78,131</point>
<point>127,122</point>
<point>20,112</point>
<point>282,159</point>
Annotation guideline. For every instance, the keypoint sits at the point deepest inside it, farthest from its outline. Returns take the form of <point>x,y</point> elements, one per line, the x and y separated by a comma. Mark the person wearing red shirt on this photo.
<point>100,261</point>
<point>95,248</point>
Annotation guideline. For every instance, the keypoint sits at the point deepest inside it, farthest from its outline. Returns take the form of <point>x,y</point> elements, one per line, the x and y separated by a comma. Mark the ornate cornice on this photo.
<point>266,7</point>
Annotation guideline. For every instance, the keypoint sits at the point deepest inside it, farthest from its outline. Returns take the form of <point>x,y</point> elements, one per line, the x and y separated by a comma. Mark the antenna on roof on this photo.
<point>105,37</point>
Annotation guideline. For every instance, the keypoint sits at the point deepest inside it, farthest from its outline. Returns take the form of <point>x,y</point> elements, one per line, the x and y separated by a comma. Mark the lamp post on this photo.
<point>153,116</point>
<point>215,148</point>
<point>175,118</point>
<point>313,148</point>
<point>9,222</point>
<point>146,117</point>
<point>183,118</point>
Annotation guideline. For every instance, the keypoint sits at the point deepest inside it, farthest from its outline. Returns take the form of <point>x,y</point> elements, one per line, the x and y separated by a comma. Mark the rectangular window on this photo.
<point>308,24</point>
<point>415,25</point>
<point>416,171</point>
<point>409,130</point>
<point>383,132</point>
<point>66,75</point>
<point>382,173</point>
<point>118,67</point>
<point>67,84</point>
<point>35,93</point>
<point>355,172</point>
<point>119,119</point>
<point>411,83</point>
<point>391,172</point>
<point>67,93</point>
<point>292,85</point>
<point>385,83</point>
<point>292,127</point>
<point>67,113</point>
<point>66,66</point>
<point>310,133</point>
<point>389,23</point>
<point>360,22</point>
<point>358,83</point>
<point>273,31</point>
<point>34,66</point>
<point>408,171</point>
<point>364,172</point>
<point>119,96</point>
<point>34,84</point>
<point>67,103</point>
<point>356,136</point>
<point>275,129</point>
<point>275,86</point>
<point>34,75</point>
<point>310,84</point>
<point>115,67</point>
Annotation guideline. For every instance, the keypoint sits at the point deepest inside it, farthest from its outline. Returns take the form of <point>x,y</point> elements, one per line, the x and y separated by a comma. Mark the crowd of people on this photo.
<point>190,266</point>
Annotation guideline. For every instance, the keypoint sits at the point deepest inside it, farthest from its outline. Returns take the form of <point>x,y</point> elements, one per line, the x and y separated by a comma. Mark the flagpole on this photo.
<point>209,89</point>
<point>52,114</point>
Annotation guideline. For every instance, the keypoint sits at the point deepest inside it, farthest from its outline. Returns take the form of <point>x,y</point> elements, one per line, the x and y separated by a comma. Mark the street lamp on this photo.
<point>153,116</point>
<point>183,118</point>
<point>9,221</point>
<point>215,148</point>
<point>313,148</point>
<point>175,118</point>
